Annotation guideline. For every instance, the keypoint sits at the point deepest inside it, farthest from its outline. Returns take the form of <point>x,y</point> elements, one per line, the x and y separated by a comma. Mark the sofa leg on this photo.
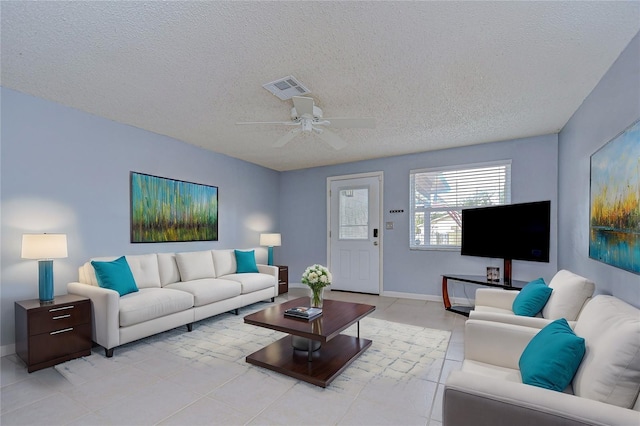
<point>273,299</point>
<point>190,327</point>
<point>236,311</point>
<point>108,352</point>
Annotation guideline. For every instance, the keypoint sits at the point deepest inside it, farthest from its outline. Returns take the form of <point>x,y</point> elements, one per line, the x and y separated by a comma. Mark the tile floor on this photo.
<point>160,390</point>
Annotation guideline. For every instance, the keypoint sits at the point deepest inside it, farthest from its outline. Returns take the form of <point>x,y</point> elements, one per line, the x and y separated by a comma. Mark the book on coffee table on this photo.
<point>303,312</point>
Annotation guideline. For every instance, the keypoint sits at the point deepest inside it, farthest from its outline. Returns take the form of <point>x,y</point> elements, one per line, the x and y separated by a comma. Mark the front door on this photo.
<point>355,237</point>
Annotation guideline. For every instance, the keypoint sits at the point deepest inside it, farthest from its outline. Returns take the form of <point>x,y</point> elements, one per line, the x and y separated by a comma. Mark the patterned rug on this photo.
<point>401,367</point>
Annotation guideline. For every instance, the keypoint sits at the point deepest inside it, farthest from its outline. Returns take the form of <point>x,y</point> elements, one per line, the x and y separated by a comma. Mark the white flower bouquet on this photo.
<point>317,277</point>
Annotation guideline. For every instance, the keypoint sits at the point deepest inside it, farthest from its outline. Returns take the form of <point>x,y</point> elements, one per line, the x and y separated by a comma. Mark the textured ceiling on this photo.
<point>433,74</point>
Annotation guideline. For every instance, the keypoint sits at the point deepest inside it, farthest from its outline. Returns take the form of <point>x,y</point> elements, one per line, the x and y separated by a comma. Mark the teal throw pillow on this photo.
<point>552,357</point>
<point>246,262</point>
<point>531,298</point>
<point>115,275</point>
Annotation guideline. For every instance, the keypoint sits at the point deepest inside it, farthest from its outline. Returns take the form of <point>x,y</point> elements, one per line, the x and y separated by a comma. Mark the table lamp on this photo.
<point>270,240</point>
<point>44,248</point>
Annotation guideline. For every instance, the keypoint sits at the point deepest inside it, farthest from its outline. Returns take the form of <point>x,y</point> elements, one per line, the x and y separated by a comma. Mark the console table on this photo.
<point>473,279</point>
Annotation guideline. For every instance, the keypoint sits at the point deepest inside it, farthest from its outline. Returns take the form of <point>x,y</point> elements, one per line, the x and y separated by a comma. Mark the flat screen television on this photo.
<point>512,231</point>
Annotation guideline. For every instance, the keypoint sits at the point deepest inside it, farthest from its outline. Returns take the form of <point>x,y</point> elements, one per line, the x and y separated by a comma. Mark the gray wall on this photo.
<point>416,272</point>
<point>65,171</point>
<point>612,106</point>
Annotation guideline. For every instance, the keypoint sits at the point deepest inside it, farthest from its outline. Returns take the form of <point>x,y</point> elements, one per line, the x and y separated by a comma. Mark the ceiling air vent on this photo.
<point>286,88</point>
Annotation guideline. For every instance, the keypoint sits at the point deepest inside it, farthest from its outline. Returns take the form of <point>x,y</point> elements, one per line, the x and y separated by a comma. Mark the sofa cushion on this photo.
<point>490,370</point>
<point>610,370</point>
<point>245,261</point>
<point>115,275</point>
<point>570,292</point>
<point>168,267</point>
<point>195,265</point>
<point>552,357</point>
<point>253,282</point>
<point>151,303</point>
<point>208,290</point>
<point>144,268</point>
<point>224,261</point>
<point>531,299</point>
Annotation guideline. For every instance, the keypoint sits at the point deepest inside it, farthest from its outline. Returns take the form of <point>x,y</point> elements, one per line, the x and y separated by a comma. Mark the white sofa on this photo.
<point>174,289</point>
<point>570,293</point>
<point>488,390</point>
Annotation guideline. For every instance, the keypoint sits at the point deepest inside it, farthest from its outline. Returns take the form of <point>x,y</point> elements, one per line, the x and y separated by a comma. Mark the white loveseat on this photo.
<point>174,289</point>
<point>488,390</point>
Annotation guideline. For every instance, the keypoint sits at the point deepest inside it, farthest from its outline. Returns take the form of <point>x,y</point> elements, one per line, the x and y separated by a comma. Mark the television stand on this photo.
<point>473,279</point>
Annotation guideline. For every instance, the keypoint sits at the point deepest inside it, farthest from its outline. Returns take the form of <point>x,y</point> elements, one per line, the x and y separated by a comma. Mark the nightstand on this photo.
<point>283,279</point>
<point>50,333</point>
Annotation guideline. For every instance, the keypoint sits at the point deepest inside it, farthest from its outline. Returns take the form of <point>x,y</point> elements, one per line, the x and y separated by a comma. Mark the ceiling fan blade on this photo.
<point>335,141</point>
<point>343,123</point>
<point>286,123</point>
<point>303,105</point>
<point>286,138</point>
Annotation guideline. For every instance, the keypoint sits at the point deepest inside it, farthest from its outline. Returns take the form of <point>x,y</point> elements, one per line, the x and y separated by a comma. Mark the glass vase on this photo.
<point>317,296</point>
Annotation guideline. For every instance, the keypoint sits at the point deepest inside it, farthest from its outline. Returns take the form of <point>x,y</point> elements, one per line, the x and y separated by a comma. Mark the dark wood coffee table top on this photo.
<point>336,317</point>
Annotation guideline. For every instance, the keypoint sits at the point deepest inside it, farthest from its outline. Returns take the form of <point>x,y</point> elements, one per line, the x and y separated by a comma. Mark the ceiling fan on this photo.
<point>307,118</point>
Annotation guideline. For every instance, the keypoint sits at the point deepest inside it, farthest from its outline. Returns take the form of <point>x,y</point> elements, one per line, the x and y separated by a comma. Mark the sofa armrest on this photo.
<point>268,269</point>
<point>105,305</point>
<point>534,322</point>
<point>479,400</point>
<point>496,343</point>
<point>271,270</point>
<point>495,297</point>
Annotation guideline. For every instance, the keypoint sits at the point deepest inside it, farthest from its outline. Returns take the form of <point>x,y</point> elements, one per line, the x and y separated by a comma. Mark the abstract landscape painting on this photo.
<point>614,234</point>
<point>168,210</point>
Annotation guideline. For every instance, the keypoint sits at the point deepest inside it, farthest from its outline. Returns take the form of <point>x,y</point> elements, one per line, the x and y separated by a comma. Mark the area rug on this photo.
<point>395,380</point>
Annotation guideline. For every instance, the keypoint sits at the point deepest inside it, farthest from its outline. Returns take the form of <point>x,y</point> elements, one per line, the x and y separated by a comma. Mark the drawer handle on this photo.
<point>62,316</point>
<point>61,309</point>
<point>61,331</point>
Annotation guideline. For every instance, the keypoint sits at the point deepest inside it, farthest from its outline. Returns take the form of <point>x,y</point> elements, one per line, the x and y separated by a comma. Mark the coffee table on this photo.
<point>336,350</point>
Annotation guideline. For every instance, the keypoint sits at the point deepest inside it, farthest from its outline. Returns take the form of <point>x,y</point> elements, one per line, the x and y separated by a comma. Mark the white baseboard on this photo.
<point>414,296</point>
<point>7,350</point>
<point>402,295</point>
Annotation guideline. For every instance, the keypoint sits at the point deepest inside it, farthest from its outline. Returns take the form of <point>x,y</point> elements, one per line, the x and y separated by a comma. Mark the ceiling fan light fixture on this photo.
<point>305,116</point>
<point>307,124</point>
<point>286,88</point>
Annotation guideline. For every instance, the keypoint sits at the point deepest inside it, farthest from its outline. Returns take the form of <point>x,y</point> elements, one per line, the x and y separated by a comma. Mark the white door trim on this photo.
<point>380,176</point>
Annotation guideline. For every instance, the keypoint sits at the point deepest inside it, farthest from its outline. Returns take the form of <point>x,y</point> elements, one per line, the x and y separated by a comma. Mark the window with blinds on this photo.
<point>439,195</point>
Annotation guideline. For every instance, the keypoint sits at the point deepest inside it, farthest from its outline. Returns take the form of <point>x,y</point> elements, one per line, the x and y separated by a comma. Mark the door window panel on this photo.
<point>353,214</point>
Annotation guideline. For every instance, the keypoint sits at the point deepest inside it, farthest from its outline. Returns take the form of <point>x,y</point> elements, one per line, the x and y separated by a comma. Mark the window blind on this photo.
<point>438,196</point>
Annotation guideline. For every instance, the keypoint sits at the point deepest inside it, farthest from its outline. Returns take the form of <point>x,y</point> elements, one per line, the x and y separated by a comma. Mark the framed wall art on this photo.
<point>169,210</point>
<point>614,234</point>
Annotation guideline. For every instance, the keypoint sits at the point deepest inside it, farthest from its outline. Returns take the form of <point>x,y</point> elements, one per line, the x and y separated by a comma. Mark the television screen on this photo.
<point>514,231</point>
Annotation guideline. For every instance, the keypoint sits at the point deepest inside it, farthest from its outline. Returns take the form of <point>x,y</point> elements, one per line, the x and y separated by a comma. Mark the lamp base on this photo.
<point>45,280</point>
<point>270,260</point>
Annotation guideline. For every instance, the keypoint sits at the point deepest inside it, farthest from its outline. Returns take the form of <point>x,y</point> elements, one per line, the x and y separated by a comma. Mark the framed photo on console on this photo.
<point>169,210</point>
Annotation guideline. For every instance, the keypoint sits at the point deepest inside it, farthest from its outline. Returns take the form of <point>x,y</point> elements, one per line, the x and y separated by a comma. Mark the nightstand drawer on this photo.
<point>59,343</point>
<point>45,320</point>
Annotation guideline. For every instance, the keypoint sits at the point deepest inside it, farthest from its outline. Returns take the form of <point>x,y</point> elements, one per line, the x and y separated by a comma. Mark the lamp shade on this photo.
<point>271,240</point>
<point>44,246</point>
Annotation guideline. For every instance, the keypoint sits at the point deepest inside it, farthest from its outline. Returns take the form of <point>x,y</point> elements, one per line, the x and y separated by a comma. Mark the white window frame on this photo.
<point>454,210</point>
